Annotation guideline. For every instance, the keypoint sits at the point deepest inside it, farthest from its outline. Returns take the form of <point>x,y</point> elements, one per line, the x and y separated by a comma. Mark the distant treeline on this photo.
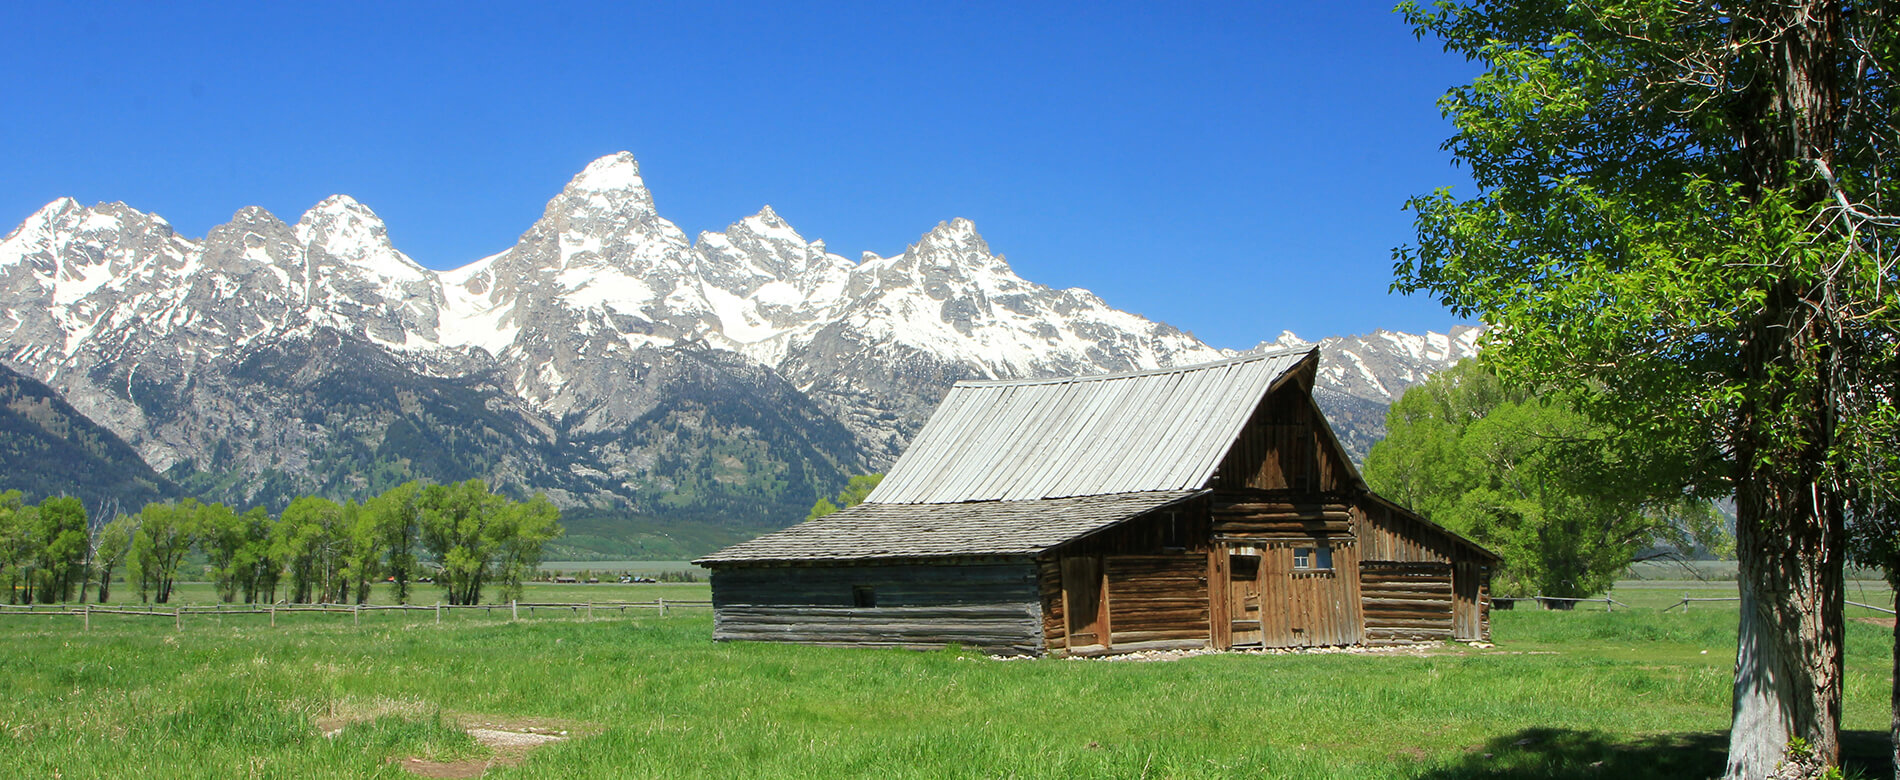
<point>315,551</point>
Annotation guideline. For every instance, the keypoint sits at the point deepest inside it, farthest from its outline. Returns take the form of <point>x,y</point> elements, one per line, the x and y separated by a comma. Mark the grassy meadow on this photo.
<point>1635,692</point>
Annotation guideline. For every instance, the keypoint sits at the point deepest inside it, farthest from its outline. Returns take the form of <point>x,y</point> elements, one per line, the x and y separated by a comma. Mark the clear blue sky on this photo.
<point>1232,169</point>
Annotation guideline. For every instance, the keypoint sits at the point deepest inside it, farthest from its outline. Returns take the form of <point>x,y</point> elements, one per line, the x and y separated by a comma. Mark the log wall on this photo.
<point>1154,601</point>
<point>1406,602</point>
<point>1389,534</point>
<point>992,605</point>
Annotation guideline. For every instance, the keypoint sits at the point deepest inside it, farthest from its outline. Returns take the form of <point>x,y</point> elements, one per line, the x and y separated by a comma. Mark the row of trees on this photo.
<point>1532,476</point>
<point>463,535</point>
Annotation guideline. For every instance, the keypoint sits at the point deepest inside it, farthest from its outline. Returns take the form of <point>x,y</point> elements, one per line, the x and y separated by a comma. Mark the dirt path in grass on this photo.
<point>508,740</point>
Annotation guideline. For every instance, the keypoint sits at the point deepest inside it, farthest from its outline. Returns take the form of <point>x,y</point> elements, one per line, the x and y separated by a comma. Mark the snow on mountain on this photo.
<point>592,320</point>
<point>1379,366</point>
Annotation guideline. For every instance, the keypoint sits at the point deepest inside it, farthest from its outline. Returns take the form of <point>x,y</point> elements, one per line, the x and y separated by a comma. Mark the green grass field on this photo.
<point>1591,693</point>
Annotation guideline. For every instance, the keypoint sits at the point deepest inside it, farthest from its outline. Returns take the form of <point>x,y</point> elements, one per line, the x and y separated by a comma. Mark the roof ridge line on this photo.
<point>1277,353</point>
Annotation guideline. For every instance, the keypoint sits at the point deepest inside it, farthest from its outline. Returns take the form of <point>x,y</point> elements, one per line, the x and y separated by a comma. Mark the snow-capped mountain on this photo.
<point>605,357</point>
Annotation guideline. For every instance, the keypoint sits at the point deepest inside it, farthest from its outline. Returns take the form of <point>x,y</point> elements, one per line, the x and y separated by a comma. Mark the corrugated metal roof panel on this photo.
<point>1159,430</point>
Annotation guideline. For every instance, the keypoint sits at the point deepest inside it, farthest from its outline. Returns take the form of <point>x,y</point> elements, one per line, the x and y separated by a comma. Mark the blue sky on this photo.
<point>1232,169</point>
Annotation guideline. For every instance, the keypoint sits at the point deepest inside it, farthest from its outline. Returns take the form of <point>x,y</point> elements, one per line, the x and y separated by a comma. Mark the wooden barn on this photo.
<point>1202,506</point>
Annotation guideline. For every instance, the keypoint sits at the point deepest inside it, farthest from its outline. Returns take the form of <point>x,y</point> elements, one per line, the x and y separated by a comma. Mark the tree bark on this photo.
<point>1790,534</point>
<point>1893,734</point>
<point>1788,653</point>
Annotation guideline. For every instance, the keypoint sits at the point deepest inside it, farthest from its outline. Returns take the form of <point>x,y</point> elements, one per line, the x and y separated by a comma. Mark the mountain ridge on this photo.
<point>603,315</point>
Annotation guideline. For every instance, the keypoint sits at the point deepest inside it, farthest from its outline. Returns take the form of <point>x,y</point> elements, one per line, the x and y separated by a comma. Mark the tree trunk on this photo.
<point>1790,539</point>
<point>1893,734</point>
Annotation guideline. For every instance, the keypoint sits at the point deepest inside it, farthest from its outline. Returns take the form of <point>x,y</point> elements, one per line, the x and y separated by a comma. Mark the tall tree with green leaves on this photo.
<point>397,517</point>
<point>15,545</point>
<point>220,537</point>
<point>1689,207</point>
<point>62,542</point>
<point>463,525</point>
<point>165,535</point>
<point>258,561</point>
<point>310,540</point>
<point>363,549</point>
<point>530,526</point>
<point>1565,499</point>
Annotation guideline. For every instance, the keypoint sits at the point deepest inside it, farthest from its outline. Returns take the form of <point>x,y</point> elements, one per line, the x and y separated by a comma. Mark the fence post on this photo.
<point>178,618</point>
<point>88,617</point>
<point>662,607</point>
<point>438,613</point>
<point>356,614</point>
<point>514,609</point>
<point>273,614</point>
<point>590,610</point>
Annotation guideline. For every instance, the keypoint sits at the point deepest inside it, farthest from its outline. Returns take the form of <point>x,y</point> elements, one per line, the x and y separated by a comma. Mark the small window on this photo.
<point>1174,537</point>
<point>1313,558</point>
<point>863,596</point>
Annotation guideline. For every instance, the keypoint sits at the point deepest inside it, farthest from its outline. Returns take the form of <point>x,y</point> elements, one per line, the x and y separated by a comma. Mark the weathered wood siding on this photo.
<point>1406,602</point>
<point>1156,601</point>
<point>1151,590</point>
<point>1388,534</point>
<point>1287,607</point>
<point>1284,447</point>
<point>985,604</point>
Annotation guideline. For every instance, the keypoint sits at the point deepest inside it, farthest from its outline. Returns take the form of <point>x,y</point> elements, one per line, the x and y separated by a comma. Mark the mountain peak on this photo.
<point>617,172</point>
<point>254,215</point>
<point>339,203</point>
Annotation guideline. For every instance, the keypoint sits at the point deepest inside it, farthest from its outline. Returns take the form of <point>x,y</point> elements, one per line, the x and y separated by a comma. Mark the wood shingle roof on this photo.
<point>979,528</point>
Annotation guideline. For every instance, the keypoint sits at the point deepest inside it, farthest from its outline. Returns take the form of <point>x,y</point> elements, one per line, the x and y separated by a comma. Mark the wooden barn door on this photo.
<point>1243,597</point>
<point>1084,601</point>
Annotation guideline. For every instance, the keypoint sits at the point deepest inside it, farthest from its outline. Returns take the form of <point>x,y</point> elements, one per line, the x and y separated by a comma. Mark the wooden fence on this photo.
<point>1686,601</point>
<point>178,613</point>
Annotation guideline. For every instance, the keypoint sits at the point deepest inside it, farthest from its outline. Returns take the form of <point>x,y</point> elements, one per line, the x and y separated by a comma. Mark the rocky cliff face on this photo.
<point>605,358</point>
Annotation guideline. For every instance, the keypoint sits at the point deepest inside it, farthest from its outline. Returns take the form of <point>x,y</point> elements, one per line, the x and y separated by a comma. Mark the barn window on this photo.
<point>1173,536</point>
<point>863,596</point>
<point>1313,558</point>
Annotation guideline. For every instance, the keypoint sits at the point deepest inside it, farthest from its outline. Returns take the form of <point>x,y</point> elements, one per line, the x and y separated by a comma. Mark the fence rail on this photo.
<point>1556,602</point>
<point>355,611</point>
<point>1686,601</point>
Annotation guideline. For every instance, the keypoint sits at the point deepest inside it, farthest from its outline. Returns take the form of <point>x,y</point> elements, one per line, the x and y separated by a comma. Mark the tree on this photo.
<point>475,535</point>
<point>258,561</point>
<point>853,494</point>
<point>165,535</point>
<point>1687,207</point>
<point>529,527</point>
<point>221,534</point>
<point>462,529</point>
<point>310,541</point>
<point>59,528</point>
<point>397,515</point>
<point>110,547</point>
<point>15,546</point>
<point>363,548</point>
<point>1566,501</point>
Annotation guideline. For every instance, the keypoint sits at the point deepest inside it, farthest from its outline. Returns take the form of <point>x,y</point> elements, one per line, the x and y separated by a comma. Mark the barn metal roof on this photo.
<point>907,531</point>
<point>1159,430</point>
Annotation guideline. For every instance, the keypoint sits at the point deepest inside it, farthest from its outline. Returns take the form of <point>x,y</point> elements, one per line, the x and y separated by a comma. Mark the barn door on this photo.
<point>1243,597</point>
<point>1083,600</point>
